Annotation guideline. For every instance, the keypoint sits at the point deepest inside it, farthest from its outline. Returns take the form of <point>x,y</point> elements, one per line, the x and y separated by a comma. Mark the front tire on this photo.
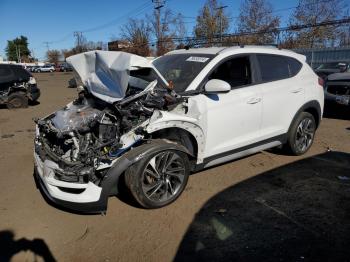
<point>17,100</point>
<point>301,134</point>
<point>158,179</point>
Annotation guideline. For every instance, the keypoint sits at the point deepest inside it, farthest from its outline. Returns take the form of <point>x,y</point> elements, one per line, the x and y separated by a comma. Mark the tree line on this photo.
<point>257,23</point>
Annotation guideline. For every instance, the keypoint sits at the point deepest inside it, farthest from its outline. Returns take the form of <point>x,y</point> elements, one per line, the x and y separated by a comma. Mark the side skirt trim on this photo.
<point>242,151</point>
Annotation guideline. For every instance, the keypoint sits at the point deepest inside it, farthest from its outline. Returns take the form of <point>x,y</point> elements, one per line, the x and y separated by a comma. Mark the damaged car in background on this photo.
<point>337,89</point>
<point>17,86</point>
<point>147,124</point>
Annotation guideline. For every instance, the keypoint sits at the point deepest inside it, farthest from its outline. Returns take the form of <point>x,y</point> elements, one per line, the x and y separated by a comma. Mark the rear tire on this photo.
<point>159,178</point>
<point>301,134</point>
<point>17,100</point>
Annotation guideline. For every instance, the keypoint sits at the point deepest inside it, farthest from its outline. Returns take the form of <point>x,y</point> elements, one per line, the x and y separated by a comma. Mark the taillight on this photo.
<point>321,81</point>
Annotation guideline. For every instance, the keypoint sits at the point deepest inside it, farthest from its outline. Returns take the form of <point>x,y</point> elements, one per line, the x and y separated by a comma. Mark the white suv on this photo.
<point>155,122</point>
<point>45,68</point>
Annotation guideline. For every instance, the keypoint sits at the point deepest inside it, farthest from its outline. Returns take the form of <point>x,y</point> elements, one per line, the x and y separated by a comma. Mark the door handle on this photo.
<point>254,100</point>
<point>295,91</point>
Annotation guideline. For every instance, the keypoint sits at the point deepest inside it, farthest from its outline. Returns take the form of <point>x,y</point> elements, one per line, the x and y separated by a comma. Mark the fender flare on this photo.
<point>110,181</point>
<point>188,126</point>
<point>314,104</point>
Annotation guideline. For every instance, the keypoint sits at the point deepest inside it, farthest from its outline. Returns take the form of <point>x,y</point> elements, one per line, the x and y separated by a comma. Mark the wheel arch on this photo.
<point>110,181</point>
<point>185,137</point>
<point>314,108</point>
<point>189,130</point>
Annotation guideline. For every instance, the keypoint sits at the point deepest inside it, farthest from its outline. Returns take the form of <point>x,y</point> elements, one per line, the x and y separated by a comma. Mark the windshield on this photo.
<point>181,69</point>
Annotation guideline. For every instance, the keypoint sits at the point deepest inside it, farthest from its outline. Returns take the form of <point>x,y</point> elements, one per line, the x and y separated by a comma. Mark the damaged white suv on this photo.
<point>154,122</point>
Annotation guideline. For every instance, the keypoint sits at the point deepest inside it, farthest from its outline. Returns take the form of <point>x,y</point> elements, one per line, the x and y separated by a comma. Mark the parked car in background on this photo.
<point>29,68</point>
<point>65,67</point>
<point>330,68</point>
<point>154,122</point>
<point>45,68</point>
<point>17,86</point>
<point>337,89</point>
<point>34,68</point>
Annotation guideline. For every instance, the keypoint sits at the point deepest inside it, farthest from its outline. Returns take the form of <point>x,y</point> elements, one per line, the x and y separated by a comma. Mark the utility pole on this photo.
<point>221,10</point>
<point>79,36</point>
<point>158,4</point>
<point>47,45</point>
<point>17,53</point>
<point>33,55</point>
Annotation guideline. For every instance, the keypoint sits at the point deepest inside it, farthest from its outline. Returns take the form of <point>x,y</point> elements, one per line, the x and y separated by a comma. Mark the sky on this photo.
<point>55,21</point>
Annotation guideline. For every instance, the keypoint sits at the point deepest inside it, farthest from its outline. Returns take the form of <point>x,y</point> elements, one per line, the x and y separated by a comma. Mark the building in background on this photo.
<point>317,56</point>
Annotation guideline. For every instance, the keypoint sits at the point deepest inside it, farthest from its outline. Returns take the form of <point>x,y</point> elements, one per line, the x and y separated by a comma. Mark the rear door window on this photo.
<point>273,67</point>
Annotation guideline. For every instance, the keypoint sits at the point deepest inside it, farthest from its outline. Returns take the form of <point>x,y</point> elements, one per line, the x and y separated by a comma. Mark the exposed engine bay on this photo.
<point>87,135</point>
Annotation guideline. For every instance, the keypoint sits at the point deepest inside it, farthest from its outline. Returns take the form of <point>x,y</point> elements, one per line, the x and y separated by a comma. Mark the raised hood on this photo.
<point>106,73</point>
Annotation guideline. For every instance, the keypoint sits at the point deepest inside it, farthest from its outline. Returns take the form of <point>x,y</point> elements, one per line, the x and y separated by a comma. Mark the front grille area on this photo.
<point>71,177</point>
<point>338,89</point>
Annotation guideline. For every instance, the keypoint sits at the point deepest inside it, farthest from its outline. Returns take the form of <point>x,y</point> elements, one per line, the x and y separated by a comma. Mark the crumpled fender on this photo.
<point>165,120</point>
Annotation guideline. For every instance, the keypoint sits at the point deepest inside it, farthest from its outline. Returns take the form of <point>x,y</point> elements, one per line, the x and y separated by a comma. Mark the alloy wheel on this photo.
<point>163,176</point>
<point>305,134</point>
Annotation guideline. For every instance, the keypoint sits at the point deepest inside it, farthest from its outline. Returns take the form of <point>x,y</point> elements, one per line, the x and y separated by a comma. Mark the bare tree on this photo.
<point>91,45</point>
<point>163,27</point>
<point>211,21</point>
<point>257,16</point>
<point>136,32</point>
<point>53,56</point>
<point>345,36</point>
<point>66,53</point>
<point>312,12</point>
<point>180,31</point>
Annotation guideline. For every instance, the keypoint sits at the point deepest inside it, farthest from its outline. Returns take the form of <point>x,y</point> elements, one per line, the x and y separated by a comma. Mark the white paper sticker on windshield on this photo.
<point>197,59</point>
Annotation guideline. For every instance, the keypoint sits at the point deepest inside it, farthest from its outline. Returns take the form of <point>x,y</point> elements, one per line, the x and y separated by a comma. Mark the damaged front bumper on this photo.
<point>87,198</point>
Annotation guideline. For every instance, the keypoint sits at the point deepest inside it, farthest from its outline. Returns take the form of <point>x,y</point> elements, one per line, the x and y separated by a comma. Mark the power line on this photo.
<point>204,40</point>
<point>135,12</point>
<point>47,44</point>
<point>273,11</point>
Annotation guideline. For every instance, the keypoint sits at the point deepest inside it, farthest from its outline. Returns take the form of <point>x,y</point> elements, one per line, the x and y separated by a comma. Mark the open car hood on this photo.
<point>106,73</point>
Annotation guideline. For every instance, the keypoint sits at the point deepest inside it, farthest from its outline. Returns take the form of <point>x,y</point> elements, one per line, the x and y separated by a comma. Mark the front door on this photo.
<point>233,119</point>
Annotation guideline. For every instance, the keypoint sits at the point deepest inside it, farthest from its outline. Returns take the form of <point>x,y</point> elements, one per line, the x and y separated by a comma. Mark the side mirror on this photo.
<point>217,86</point>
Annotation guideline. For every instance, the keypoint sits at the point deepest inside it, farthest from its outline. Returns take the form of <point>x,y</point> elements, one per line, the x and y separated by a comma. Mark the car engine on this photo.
<point>85,135</point>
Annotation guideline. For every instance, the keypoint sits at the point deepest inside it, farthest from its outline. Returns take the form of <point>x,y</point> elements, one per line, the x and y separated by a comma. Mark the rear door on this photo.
<point>283,92</point>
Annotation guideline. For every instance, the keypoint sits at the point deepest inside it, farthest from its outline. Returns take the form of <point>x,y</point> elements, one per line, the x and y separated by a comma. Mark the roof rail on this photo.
<point>273,45</point>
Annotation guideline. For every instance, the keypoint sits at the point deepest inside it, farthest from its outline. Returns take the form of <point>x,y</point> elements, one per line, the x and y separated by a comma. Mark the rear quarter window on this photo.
<point>294,66</point>
<point>276,67</point>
